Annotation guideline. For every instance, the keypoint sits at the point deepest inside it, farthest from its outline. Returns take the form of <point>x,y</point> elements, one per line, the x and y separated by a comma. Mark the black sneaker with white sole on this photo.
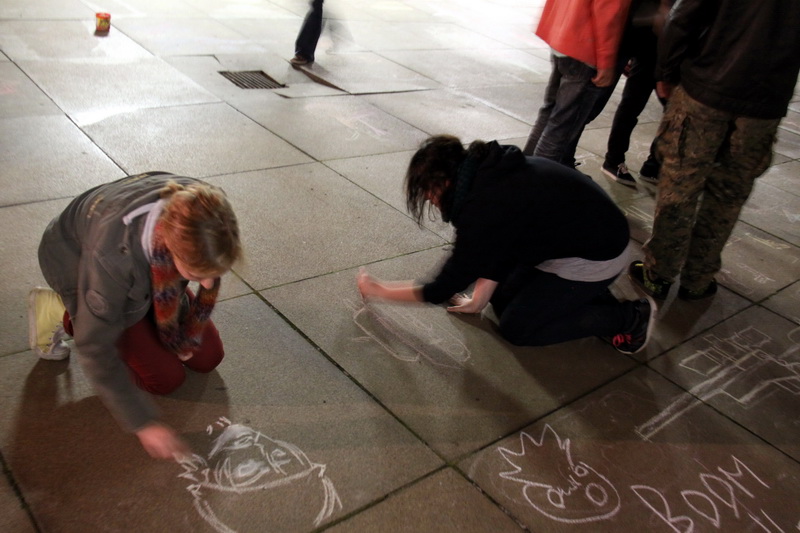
<point>635,340</point>
<point>619,174</point>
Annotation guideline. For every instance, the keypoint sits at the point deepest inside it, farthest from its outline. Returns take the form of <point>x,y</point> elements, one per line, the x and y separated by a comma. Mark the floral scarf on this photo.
<point>180,320</point>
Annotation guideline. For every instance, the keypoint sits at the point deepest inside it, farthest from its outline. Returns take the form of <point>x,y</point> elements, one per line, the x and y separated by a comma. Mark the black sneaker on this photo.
<point>655,287</point>
<point>636,339</point>
<point>699,294</point>
<point>619,174</point>
<point>649,171</point>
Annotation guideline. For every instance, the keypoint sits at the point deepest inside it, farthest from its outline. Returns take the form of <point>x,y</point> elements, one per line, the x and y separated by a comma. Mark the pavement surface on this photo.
<point>327,414</point>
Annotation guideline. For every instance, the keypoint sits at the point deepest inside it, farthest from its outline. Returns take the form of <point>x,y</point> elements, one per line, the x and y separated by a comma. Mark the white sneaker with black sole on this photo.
<point>619,174</point>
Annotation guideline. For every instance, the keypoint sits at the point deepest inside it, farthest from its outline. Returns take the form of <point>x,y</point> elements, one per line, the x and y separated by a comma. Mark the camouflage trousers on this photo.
<point>709,162</point>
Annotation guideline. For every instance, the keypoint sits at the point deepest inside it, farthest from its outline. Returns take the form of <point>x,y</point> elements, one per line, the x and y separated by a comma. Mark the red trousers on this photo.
<point>155,368</point>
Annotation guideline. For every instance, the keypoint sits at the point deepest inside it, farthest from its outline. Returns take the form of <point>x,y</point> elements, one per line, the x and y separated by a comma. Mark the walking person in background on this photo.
<point>540,241</point>
<point>729,69</point>
<point>307,39</point>
<point>120,257</point>
<point>584,36</point>
<point>638,54</point>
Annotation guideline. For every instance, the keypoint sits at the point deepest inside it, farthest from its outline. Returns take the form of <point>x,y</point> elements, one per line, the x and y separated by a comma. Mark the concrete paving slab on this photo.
<point>447,111</point>
<point>782,176</point>
<point>241,10</point>
<point>444,502</point>
<point>786,302</point>
<point>275,34</point>
<point>59,159</point>
<point>305,221</point>
<point>791,122</point>
<point>756,264</point>
<point>475,68</point>
<point>27,40</point>
<point>294,448</point>
<point>788,144</point>
<point>595,465</point>
<point>382,36</point>
<point>13,516</point>
<point>19,97</point>
<point>55,9</point>
<point>172,36</point>
<point>453,381</point>
<point>366,72</point>
<point>771,208</point>
<point>122,9</point>
<point>197,141</point>
<point>383,175</point>
<point>386,424</point>
<point>748,365</point>
<point>92,90</point>
<point>520,100</point>
<point>335,127</point>
<point>20,262</point>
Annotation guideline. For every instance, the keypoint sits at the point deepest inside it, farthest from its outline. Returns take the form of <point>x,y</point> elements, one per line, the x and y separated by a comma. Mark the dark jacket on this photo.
<point>95,261</point>
<point>739,56</point>
<point>523,211</point>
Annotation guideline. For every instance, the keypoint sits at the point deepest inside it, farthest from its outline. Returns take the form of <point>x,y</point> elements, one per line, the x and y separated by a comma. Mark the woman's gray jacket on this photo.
<point>94,260</point>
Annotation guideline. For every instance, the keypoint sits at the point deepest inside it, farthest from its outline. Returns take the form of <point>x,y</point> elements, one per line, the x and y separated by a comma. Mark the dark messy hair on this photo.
<point>434,169</point>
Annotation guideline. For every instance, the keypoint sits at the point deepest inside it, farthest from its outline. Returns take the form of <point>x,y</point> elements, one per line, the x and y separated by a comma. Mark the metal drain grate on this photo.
<point>252,79</point>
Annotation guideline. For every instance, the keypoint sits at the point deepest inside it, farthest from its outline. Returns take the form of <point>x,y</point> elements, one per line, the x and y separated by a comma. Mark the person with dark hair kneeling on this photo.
<point>541,242</point>
<point>119,259</point>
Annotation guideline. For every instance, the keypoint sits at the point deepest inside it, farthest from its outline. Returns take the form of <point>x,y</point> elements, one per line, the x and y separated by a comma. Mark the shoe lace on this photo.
<point>623,168</point>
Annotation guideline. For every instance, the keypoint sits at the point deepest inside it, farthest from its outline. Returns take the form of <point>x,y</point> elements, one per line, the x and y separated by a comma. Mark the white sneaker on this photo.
<point>45,325</point>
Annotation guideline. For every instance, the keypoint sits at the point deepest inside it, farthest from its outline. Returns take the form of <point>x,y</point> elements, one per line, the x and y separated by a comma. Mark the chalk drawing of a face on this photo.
<point>247,473</point>
<point>555,485</point>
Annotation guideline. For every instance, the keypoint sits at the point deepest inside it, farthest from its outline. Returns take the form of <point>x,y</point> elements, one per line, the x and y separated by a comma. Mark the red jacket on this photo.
<point>587,30</point>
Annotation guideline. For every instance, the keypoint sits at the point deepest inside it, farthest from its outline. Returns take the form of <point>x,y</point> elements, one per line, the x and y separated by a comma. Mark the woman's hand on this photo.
<point>368,286</point>
<point>461,303</point>
<point>398,291</point>
<point>162,442</point>
<point>484,288</point>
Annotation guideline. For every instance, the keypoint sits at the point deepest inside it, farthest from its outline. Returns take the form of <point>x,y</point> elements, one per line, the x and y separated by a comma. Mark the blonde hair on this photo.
<point>200,227</point>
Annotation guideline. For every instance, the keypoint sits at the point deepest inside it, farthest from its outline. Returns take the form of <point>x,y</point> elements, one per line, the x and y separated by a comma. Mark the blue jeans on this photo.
<point>571,101</point>
<point>307,39</point>
<point>537,308</point>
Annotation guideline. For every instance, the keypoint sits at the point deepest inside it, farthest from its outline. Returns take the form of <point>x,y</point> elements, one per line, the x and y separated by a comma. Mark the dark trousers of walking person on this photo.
<point>307,39</point>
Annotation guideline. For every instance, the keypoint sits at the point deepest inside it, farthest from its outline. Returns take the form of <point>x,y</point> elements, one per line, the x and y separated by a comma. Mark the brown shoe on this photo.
<point>299,60</point>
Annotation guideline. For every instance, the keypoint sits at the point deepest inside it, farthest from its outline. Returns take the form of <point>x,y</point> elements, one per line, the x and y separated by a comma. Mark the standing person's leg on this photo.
<point>307,38</point>
<point>690,137</point>
<point>547,106</point>
<point>638,87</point>
<point>745,156</point>
<point>538,308</point>
<point>574,103</point>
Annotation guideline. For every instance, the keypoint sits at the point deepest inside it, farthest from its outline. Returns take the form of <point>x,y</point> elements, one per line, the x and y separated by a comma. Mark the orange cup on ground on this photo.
<point>103,22</point>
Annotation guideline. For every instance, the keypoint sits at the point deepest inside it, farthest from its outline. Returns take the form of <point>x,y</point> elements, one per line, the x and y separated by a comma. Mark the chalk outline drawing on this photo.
<point>603,495</point>
<point>427,341</point>
<point>221,475</point>
<point>727,363</point>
